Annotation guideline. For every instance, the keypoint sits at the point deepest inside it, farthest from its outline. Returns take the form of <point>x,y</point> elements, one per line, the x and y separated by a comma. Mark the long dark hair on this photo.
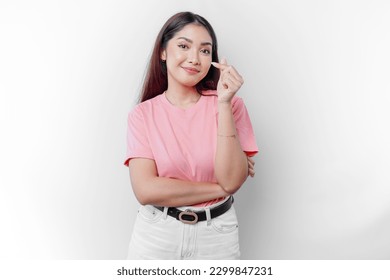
<point>156,79</point>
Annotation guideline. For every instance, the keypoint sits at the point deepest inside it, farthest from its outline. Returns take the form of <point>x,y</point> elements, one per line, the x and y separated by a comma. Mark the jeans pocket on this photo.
<point>149,213</point>
<point>226,223</point>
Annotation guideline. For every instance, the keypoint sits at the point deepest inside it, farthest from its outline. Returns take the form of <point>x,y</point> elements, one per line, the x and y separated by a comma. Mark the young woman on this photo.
<point>189,144</point>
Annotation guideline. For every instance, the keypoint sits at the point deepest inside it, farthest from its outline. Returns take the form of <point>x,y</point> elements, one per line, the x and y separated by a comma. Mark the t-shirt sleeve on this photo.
<point>244,127</point>
<point>137,139</point>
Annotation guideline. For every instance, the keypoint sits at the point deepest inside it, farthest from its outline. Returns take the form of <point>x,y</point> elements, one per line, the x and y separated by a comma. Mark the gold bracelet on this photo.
<point>234,136</point>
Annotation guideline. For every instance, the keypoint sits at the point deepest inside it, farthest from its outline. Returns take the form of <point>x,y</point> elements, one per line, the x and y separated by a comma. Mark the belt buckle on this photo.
<point>188,212</point>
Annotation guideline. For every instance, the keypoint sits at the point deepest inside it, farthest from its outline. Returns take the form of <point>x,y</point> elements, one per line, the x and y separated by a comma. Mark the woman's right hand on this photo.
<point>251,167</point>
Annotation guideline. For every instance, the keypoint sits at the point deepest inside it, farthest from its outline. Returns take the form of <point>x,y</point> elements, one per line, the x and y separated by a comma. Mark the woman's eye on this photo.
<point>205,51</point>
<point>182,46</point>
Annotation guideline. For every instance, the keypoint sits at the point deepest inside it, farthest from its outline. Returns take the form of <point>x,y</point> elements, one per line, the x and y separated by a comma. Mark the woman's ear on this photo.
<point>163,55</point>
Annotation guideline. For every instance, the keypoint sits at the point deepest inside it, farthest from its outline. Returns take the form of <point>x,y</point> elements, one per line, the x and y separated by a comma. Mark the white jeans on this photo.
<point>157,235</point>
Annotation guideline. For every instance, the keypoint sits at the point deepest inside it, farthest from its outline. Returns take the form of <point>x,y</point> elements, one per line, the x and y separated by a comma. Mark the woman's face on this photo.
<point>188,55</point>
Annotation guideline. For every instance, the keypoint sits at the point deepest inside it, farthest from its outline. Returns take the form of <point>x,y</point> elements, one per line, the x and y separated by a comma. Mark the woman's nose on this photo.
<point>193,58</point>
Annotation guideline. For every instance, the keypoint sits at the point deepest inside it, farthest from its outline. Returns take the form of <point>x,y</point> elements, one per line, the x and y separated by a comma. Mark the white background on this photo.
<point>316,86</point>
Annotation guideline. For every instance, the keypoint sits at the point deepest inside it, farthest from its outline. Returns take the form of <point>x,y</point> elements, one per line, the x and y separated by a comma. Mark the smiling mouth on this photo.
<point>191,70</point>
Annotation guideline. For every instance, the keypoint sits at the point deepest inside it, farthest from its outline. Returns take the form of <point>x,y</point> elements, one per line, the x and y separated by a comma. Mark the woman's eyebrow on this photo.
<point>190,41</point>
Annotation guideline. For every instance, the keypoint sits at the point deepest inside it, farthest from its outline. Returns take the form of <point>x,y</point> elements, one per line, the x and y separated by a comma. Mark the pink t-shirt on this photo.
<point>183,142</point>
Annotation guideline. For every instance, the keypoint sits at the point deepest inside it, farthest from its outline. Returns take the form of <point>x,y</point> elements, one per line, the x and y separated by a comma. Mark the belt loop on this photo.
<point>165,213</point>
<point>208,215</point>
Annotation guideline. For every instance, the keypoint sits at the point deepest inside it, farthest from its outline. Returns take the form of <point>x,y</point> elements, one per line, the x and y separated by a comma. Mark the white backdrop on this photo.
<point>316,87</point>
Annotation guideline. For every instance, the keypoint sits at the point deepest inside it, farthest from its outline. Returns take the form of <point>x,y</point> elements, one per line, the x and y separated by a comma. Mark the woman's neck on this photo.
<point>183,96</point>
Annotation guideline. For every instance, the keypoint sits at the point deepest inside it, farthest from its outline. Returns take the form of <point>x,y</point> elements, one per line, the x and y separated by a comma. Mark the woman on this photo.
<point>189,143</point>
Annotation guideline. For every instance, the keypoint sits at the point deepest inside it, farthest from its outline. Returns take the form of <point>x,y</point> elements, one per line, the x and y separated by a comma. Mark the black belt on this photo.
<point>192,217</point>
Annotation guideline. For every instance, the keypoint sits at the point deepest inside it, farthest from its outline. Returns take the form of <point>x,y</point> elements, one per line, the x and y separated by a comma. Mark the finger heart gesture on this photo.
<point>229,82</point>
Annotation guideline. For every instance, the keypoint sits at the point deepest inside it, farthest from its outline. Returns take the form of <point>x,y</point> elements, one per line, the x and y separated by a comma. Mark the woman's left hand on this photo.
<point>229,82</point>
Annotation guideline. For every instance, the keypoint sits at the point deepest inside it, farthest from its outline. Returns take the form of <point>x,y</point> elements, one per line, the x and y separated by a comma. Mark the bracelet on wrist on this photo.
<point>224,102</point>
<point>233,135</point>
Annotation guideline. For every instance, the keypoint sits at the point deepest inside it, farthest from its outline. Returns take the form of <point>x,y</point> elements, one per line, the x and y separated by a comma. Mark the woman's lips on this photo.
<point>191,70</point>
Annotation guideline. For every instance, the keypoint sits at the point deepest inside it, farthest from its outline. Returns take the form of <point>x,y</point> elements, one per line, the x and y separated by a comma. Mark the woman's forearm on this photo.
<point>231,164</point>
<point>151,189</point>
<point>162,191</point>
